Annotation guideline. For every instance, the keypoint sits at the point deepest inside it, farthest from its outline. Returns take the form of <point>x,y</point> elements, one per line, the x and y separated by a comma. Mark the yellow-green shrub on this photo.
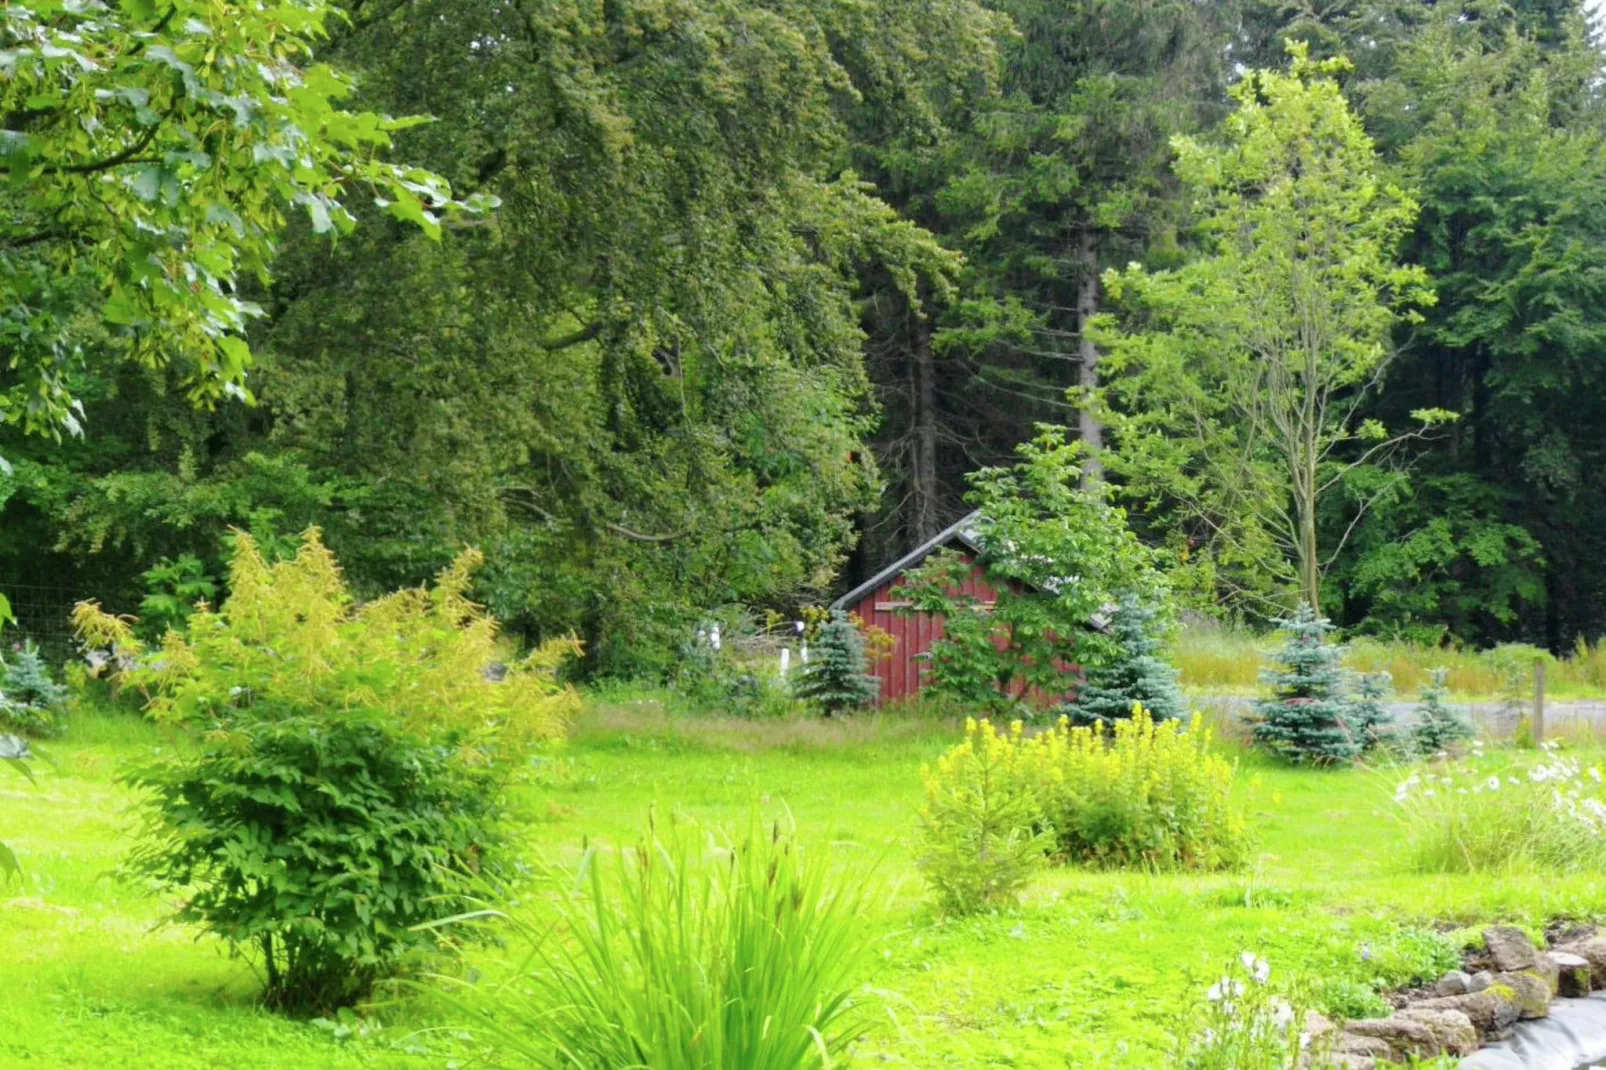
<point>1141,794</point>
<point>981,834</point>
<point>292,635</point>
<point>346,765</point>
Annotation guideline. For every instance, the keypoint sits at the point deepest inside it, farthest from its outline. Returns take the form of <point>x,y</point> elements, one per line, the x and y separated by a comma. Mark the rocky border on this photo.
<point>1510,981</point>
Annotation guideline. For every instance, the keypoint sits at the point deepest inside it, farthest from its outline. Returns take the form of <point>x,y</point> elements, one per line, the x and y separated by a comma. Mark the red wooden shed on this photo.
<point>876,602</point>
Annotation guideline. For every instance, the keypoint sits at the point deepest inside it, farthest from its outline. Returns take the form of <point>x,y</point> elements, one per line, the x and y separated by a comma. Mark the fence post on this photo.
<point>1539,700</point>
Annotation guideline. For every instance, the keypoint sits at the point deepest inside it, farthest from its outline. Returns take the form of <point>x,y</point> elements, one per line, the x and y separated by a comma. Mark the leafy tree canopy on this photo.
<point>152,152</point>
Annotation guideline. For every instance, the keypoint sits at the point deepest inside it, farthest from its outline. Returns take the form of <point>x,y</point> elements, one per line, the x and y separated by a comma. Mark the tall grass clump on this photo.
<point>1485,817</point>
<point>1137,794</point>
<point>686,953</point>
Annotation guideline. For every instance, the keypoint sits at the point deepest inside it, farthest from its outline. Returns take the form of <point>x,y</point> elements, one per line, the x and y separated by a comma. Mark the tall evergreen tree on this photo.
<point>639,385</point>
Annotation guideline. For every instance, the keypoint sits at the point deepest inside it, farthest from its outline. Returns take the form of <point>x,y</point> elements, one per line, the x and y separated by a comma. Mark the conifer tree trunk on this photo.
<point>1089,429</point>
<point>923,511</point>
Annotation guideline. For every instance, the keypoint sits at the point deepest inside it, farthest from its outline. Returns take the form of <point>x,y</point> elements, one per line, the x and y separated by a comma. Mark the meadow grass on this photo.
<point>1090,972</point>
<point>1227,660</point>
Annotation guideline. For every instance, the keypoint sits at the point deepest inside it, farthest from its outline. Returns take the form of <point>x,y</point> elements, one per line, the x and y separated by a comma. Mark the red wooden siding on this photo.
<point>901,671</point>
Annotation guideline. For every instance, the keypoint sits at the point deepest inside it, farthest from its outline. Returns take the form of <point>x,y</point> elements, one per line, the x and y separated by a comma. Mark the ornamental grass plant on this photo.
<point>686,952</point>
<point>1493,815</point>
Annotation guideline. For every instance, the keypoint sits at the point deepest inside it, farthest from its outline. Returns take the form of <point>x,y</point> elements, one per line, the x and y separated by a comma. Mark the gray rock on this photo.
<point>1532,992</point>
<point>1454,983</point>
<point>1480,980</point>
<point>1453,1031</point>
<point>1572,973</point>
<point>1510,948</point>
<point>1492,1011</point>
<point>1352,1044</point>
<point>1405,1037</point>
<point>1342,1060</point>
<point>1592,950</point>
<point>1547,971</point>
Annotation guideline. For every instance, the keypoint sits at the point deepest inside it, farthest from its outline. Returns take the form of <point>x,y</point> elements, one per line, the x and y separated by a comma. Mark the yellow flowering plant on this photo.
<point>292,637</point>
<point>1142,793</point>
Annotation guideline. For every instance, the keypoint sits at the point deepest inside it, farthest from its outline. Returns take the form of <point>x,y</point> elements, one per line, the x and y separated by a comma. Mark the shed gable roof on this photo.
<point>963,531</point>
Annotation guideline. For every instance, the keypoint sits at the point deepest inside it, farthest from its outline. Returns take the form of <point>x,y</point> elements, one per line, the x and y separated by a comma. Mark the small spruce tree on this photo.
<point>836,677</point>
<point>1437,725</point>
<point>1306,719</point>
<point>29,698</point>
<point>1369,716</point>
<point>1136,675</point>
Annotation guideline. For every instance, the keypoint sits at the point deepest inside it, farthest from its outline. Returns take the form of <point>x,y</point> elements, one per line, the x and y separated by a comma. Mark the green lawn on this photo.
<point>1090,973</point>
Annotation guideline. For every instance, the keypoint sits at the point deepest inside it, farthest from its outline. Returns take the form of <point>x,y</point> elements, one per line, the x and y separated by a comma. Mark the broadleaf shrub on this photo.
<point>688,953</point>
<point>1138,793</point>
<point>347,763</point>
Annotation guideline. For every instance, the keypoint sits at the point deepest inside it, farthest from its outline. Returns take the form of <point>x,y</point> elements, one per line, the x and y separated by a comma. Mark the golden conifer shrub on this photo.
<point>291,636</point>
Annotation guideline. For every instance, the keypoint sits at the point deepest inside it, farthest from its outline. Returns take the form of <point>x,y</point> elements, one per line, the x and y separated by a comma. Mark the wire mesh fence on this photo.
<point>43,615</point>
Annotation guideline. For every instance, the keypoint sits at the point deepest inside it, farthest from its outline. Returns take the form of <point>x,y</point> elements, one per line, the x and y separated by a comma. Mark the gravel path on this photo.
<point>1492,718</point>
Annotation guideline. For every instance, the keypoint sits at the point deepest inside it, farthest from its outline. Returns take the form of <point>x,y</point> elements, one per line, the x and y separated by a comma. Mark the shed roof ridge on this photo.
<point>963,529</point>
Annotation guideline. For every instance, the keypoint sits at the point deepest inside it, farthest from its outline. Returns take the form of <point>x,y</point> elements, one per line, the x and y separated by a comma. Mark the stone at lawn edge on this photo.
<point>1376,1047</point>
<point>1593,950</point>
<point>1531,990</point>
<point>1405,1037</point>
<point>1510,948</point>
<point>1317,1025</point>
<point>1480,980</point>
<point>1548,972</point>
<point>1454,983</point>
<point>1345,1061</point>
<point>1453,1031</point>
<point>1572,974</point>
<point>1493,1011</point>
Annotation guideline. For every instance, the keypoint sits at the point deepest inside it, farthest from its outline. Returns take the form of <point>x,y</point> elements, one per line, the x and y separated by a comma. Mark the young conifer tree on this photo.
<point>836,677</point>
<point>1137,674</point>
<point>1437,725</point>
<point>1369,716</point>
<point>1306,719</point>
<point>29,698</point>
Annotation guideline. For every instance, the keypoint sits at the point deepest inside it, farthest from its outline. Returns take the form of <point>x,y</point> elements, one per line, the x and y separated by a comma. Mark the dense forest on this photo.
<point>735,293</point>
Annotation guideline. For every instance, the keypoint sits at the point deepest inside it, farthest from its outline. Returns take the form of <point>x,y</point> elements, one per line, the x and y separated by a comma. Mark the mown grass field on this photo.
<point>1091,972</point>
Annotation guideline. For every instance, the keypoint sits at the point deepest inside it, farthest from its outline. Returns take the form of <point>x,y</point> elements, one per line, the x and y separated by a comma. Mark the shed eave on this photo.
<point>962,530</point>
